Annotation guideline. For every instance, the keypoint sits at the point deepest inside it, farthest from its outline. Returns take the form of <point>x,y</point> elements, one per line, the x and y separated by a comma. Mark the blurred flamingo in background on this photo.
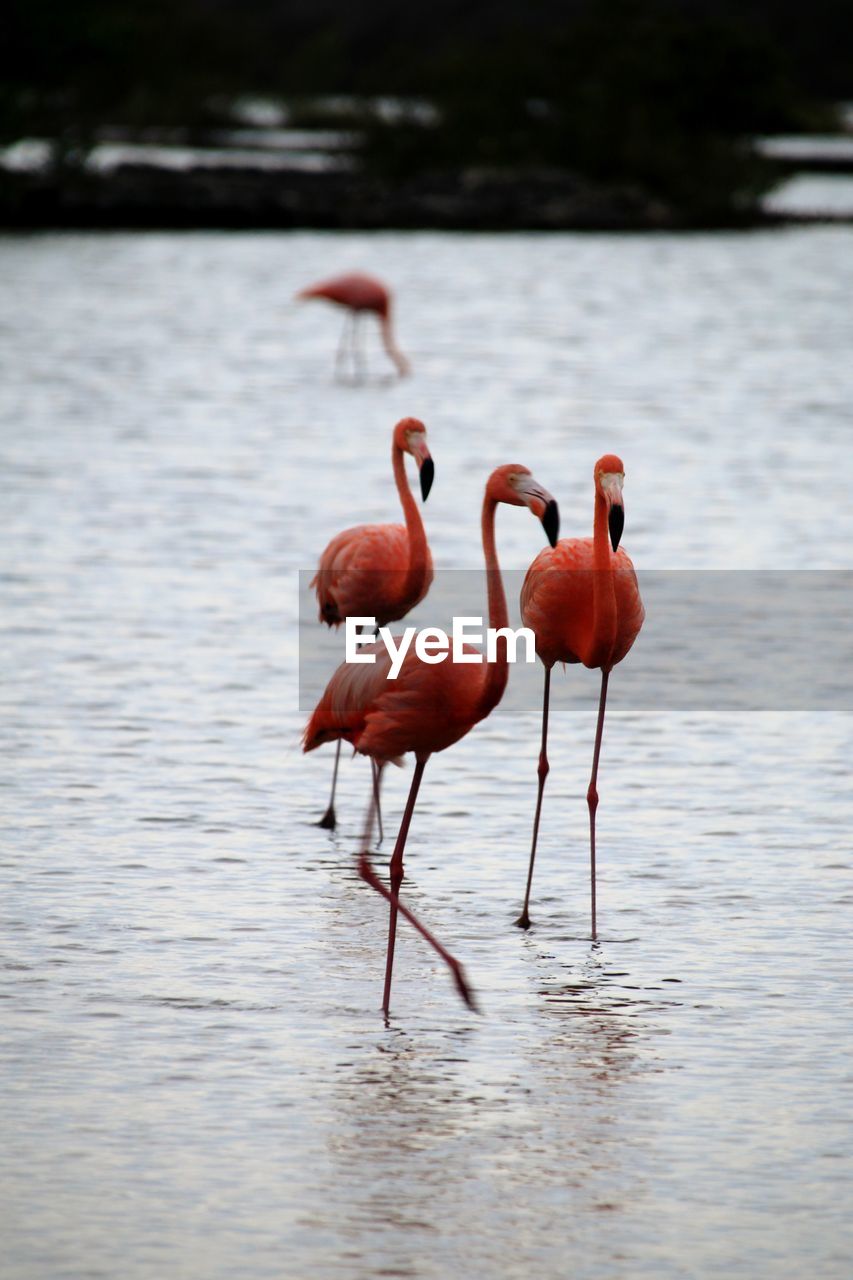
<point>379,571</point>
<point>359,293</point>
<point>428,707</point>
<point>584,606</point>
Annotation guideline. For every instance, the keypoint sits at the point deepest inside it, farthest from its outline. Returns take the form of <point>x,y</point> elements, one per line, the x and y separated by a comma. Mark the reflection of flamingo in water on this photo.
<point>359,293</point>
<point>584,606</point>
<point>428,707</point>
<point>379,571</point>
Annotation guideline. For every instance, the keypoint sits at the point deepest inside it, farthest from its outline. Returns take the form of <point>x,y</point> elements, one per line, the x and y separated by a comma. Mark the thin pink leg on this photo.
<point>345,344</point>
<point>359,354</point>
<point>328,820</point>
<point>592,794</point>
<point>377,774</point>
<point>523,920</point>
<point>367,873</point>
<point>395,870</point>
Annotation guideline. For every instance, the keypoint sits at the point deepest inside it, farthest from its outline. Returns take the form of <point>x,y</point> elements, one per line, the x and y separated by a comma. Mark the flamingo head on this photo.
<point>410,437</point>
<point>609,478</point>
<point>516,486</point>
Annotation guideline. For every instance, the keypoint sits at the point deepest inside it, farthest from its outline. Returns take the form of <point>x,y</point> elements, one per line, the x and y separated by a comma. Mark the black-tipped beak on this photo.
<point>616,523</point>
<point>551,522</point>
<point>427,476</point>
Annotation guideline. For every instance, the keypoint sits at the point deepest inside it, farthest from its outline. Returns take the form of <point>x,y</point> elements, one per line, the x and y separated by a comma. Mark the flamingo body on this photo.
<point>428,707</point>
<point>379,571</point>
<point>363,573</point>
<point>582,601</point>
<point>358,293</point>
<point>557,602</point>
<point>355,290</point>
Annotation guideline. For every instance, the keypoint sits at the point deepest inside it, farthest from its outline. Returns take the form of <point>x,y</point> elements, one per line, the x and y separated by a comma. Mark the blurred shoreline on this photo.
<point>645,115</point>
<point>245,196</point>
<point>266,166</point>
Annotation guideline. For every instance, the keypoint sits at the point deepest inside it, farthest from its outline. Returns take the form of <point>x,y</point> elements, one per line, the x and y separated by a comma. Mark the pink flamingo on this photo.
<point>359,293</point>
<point>379,571</point>
<point>584,606</point>
<point>428,707</point>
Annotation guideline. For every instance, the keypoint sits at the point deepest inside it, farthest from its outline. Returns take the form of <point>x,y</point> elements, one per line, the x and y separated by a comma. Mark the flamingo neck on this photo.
<point>603,588</point>
<point>417,566</point>
<point>390,345</point>
<point>497,672</point>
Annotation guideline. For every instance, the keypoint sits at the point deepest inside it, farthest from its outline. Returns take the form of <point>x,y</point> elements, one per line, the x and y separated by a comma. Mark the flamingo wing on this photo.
<point>362,573</point>
<point>425,709</point>
<point>556,600</point>
<point>629,604</point>
<point>352,692</point>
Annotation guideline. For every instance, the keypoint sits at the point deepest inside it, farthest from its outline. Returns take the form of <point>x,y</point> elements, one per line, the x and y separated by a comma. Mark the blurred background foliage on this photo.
<point>660,93</point>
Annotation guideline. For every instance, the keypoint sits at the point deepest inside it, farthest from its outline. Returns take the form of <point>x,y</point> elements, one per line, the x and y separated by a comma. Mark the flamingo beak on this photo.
<point>426,466</point>
<point>427,471</point>
<point>616,523</point>
<point>542,505</point>
<point>551,522</point>
<point>611,487</point>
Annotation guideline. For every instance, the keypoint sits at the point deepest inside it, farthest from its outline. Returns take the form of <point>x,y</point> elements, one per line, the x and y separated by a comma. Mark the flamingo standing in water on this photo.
<point>428,707</point>
<point>379,571</point>
<point>584,605</point>
<point>359,293</point>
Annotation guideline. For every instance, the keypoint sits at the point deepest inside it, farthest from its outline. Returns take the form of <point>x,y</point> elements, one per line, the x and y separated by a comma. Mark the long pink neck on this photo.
<point>390,345</point>
<point>604,587</point>
<point>417,567</point>
<point>497,672</point>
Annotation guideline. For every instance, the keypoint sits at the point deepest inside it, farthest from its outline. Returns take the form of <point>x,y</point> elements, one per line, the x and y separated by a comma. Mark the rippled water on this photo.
<point>196,1079</point>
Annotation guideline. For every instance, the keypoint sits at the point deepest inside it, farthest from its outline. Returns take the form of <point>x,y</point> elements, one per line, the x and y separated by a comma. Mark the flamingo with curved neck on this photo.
<point>427,707</point>
<point>358,294</point>
<point>584,605</point>
<point>379,571</point>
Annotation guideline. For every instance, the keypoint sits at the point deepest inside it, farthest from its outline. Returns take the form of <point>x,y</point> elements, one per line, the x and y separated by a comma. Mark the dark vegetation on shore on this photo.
<point>633,112</point>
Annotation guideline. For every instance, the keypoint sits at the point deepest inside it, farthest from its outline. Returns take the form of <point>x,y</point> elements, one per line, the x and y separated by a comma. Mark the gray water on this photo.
<point>196,1077</point>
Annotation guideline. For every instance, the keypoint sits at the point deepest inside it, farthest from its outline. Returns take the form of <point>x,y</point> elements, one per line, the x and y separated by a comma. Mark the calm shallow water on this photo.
<point>196,1080</point>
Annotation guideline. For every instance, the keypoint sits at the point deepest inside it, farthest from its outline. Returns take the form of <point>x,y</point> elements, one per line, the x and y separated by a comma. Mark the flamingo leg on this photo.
<point>523,920</point>
<point>359,359</point>
<point>376,769</point>
<point>344,344</point>
<point>395,870</point>
<point>328,820</point>
<point>592,793</point>
<point>367,873</point>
